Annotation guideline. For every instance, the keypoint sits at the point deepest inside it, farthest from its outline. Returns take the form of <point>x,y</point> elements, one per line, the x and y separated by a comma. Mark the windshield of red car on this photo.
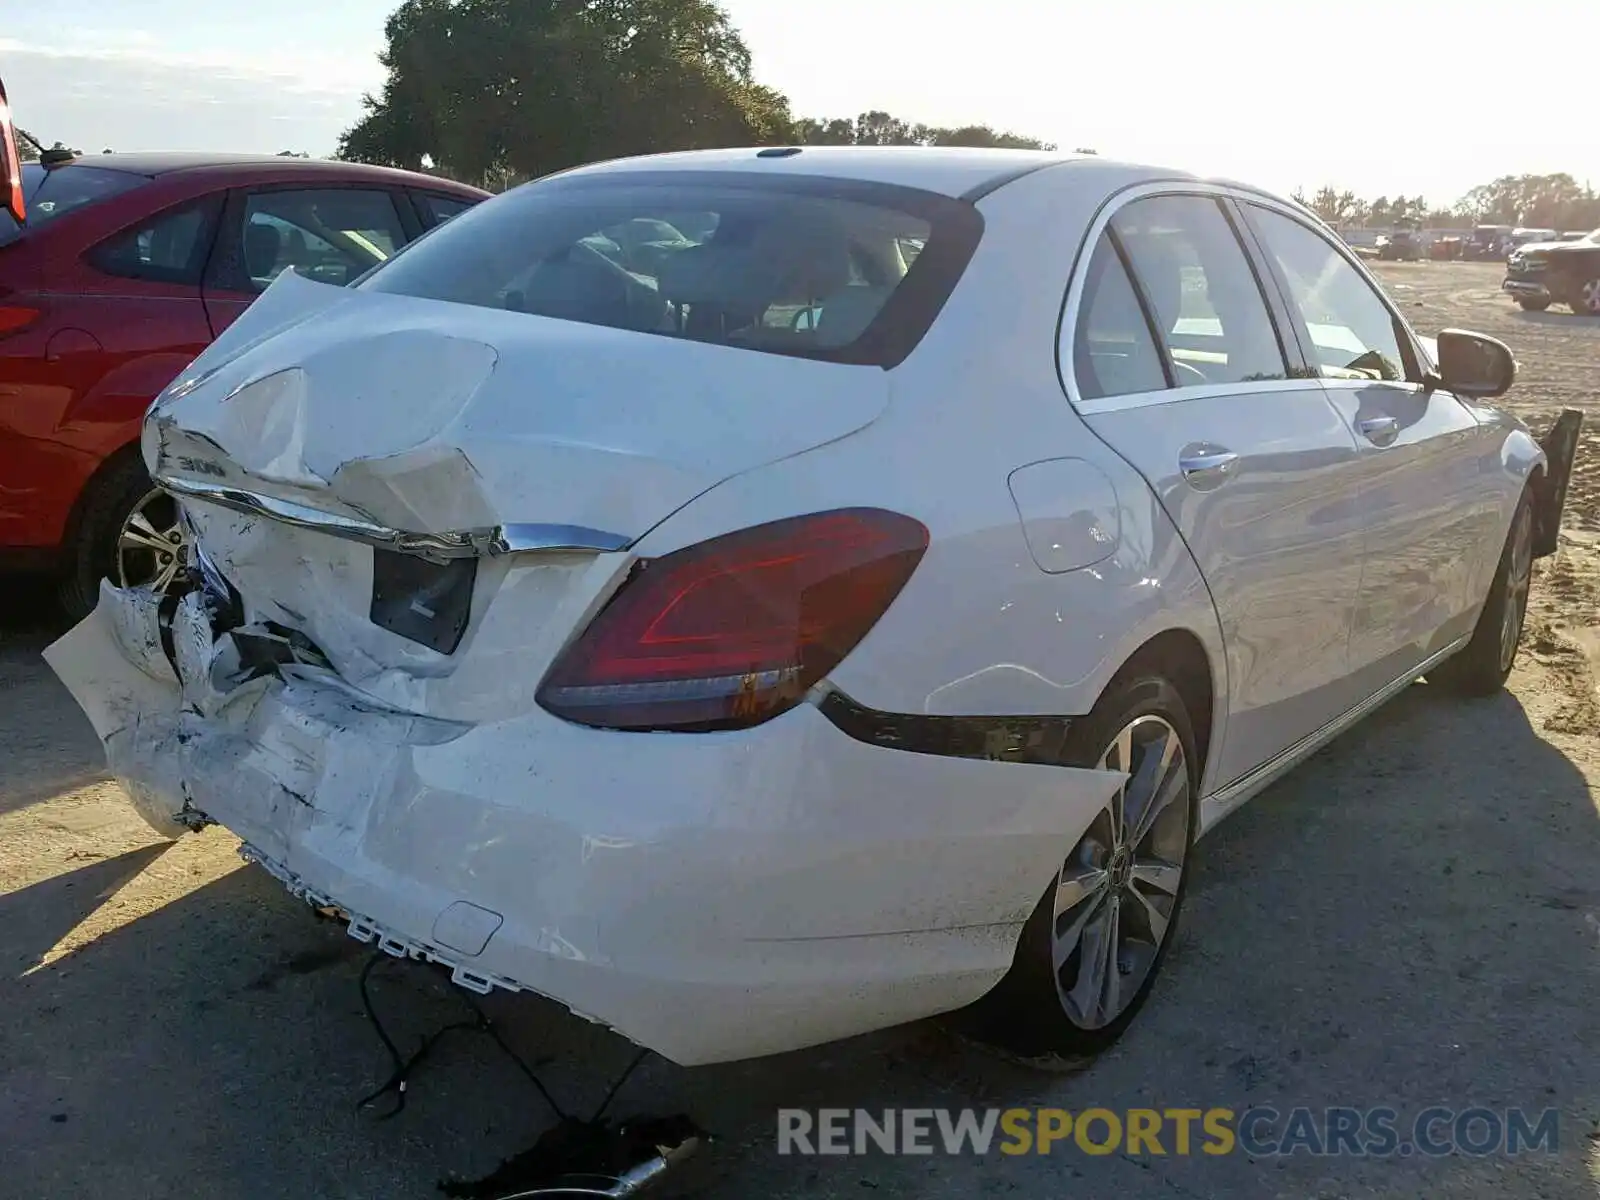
<point>60,190</point>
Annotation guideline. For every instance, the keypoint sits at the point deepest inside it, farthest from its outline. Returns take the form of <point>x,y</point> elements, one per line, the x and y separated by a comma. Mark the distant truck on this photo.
<point>1540,274</point>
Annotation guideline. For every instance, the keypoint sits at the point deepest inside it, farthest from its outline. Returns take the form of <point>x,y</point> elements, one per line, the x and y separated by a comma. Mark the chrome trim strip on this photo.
<point>521,538</point>
<point>1161,396</point>
<point>1226,800</point>
<point>468,543</point>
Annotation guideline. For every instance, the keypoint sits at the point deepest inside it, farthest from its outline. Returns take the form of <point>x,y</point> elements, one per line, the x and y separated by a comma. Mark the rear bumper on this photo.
<point>711,896</point>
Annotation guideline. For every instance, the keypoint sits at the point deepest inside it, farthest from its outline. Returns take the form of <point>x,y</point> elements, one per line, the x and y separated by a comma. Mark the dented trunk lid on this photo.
<point>338,450</point>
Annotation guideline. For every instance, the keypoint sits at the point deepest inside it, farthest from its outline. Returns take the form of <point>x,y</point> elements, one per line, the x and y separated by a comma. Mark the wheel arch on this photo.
<point>109,465</point>
<point>1179,656</point>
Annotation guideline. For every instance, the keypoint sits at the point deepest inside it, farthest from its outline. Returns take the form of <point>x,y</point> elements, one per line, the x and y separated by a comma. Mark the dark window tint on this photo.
<point>1113,353</point>
<point>332,235</point>
<point>1354,335</point>
<point>1204,298</point>
<point>437,209</point>
<point>169,248</point>
<point>54,193</point>
<point>810,267</point>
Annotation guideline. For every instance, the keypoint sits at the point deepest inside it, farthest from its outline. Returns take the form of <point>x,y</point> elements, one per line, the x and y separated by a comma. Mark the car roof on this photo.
<point>155,163</point>
<point>951,170</point>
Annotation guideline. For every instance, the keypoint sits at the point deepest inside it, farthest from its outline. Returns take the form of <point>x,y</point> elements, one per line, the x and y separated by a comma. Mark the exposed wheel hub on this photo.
<point>152,546</point>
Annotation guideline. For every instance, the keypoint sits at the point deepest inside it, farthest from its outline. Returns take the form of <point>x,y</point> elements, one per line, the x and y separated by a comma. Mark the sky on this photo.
<point>1405,97</point>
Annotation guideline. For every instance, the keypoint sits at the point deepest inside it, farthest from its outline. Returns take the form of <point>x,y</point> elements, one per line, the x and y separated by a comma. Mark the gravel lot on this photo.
<point>1411,919</point>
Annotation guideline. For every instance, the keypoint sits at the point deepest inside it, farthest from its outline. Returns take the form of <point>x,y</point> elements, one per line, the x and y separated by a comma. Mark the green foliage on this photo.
<point>1541,201</point>
<point>496,91</point>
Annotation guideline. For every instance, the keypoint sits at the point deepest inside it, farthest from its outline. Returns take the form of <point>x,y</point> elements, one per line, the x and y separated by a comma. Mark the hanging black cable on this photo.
<point>404,1066</point>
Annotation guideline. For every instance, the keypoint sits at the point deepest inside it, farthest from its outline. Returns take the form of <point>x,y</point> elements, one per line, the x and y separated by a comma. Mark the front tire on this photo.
<point>1481,667</point>
<point>1090,953</point>
<point>1534,305</point>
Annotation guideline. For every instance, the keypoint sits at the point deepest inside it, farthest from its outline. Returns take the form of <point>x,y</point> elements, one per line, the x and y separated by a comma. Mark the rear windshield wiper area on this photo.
<point>53,192</point>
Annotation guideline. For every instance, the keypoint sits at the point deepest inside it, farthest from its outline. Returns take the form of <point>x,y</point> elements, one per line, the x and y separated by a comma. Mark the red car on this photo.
<point>124,269</point>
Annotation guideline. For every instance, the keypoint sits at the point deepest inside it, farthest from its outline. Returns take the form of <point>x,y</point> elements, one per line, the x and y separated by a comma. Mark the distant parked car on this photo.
<point>1487,243</point>
<point>1545,273</point>
<point>1446,248</point>
<point>1404,245</point>
<point>126,268</point>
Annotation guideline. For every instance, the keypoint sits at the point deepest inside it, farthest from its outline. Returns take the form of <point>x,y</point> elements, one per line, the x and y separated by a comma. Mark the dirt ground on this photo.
<point>1411,919</point>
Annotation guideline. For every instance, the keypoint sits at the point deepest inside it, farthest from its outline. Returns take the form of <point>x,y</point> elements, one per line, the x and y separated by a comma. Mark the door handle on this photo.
<point>1209,468</point>
<point>1380,431</point>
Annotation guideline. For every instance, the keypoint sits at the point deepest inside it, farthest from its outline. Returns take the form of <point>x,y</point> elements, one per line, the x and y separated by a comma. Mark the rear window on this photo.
<point>54,193</point>
<point>818,268</point>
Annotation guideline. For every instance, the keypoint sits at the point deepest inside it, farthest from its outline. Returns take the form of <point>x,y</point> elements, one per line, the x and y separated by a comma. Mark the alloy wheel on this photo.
<point>152,548</point>
<point>1589,298</point>
<point>1519,572</point>
<point>1118,890</point>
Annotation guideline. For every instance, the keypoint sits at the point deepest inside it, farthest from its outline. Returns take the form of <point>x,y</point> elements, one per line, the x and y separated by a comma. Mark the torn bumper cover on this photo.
<point>712,896</point>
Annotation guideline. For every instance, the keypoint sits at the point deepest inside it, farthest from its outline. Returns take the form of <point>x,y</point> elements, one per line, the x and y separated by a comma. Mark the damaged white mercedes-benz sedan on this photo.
<point>759,597</point>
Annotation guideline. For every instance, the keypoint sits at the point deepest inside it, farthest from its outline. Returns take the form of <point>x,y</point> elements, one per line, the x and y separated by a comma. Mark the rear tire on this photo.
<point>1480,668</point>
<point>1586,298</point>
<point>93,557</point>
<point>1049,1011</point>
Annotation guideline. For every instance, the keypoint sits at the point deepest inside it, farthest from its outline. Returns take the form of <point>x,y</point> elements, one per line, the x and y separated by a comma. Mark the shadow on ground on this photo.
<point>48,747</point>
<point>1410,920</point>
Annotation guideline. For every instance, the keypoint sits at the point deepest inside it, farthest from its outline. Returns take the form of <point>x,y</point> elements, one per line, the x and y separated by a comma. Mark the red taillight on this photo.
<point>15,316</point>
<point>731,632</point>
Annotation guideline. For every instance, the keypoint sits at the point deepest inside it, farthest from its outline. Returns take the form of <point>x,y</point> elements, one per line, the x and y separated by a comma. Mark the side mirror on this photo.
<point>1474,364</point>
<point>10,164</point>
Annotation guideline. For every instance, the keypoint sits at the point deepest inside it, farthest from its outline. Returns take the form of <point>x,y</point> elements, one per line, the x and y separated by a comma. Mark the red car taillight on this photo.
<point>731,632</point>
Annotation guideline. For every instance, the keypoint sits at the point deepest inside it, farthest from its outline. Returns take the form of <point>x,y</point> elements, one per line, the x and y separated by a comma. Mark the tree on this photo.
<point>487,89</point>
<point>1335,207</point>
<point>1547,201</point>
<point>883,129</point>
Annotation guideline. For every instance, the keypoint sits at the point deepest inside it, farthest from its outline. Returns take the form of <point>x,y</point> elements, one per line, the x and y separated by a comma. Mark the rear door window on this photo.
<point>169,248</point>
<point>60,190</point>
<point>802,266</point>
<point>1202,293</point>
<point>1113,353</point>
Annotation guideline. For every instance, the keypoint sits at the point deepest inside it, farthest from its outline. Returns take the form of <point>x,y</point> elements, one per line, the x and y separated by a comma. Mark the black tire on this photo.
<point>93,555</point>
<point>1586,298</point>
<point>1534,305</point>
<point>1481,667</point>
<point>1025,1016</point>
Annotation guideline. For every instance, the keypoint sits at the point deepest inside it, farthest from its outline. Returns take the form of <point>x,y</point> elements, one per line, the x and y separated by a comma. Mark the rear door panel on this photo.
<point>1279,544</point>
<point>1255,468</point>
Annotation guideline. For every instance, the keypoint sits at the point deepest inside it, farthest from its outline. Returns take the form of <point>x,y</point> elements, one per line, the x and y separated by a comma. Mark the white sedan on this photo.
<point>757,597</point>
